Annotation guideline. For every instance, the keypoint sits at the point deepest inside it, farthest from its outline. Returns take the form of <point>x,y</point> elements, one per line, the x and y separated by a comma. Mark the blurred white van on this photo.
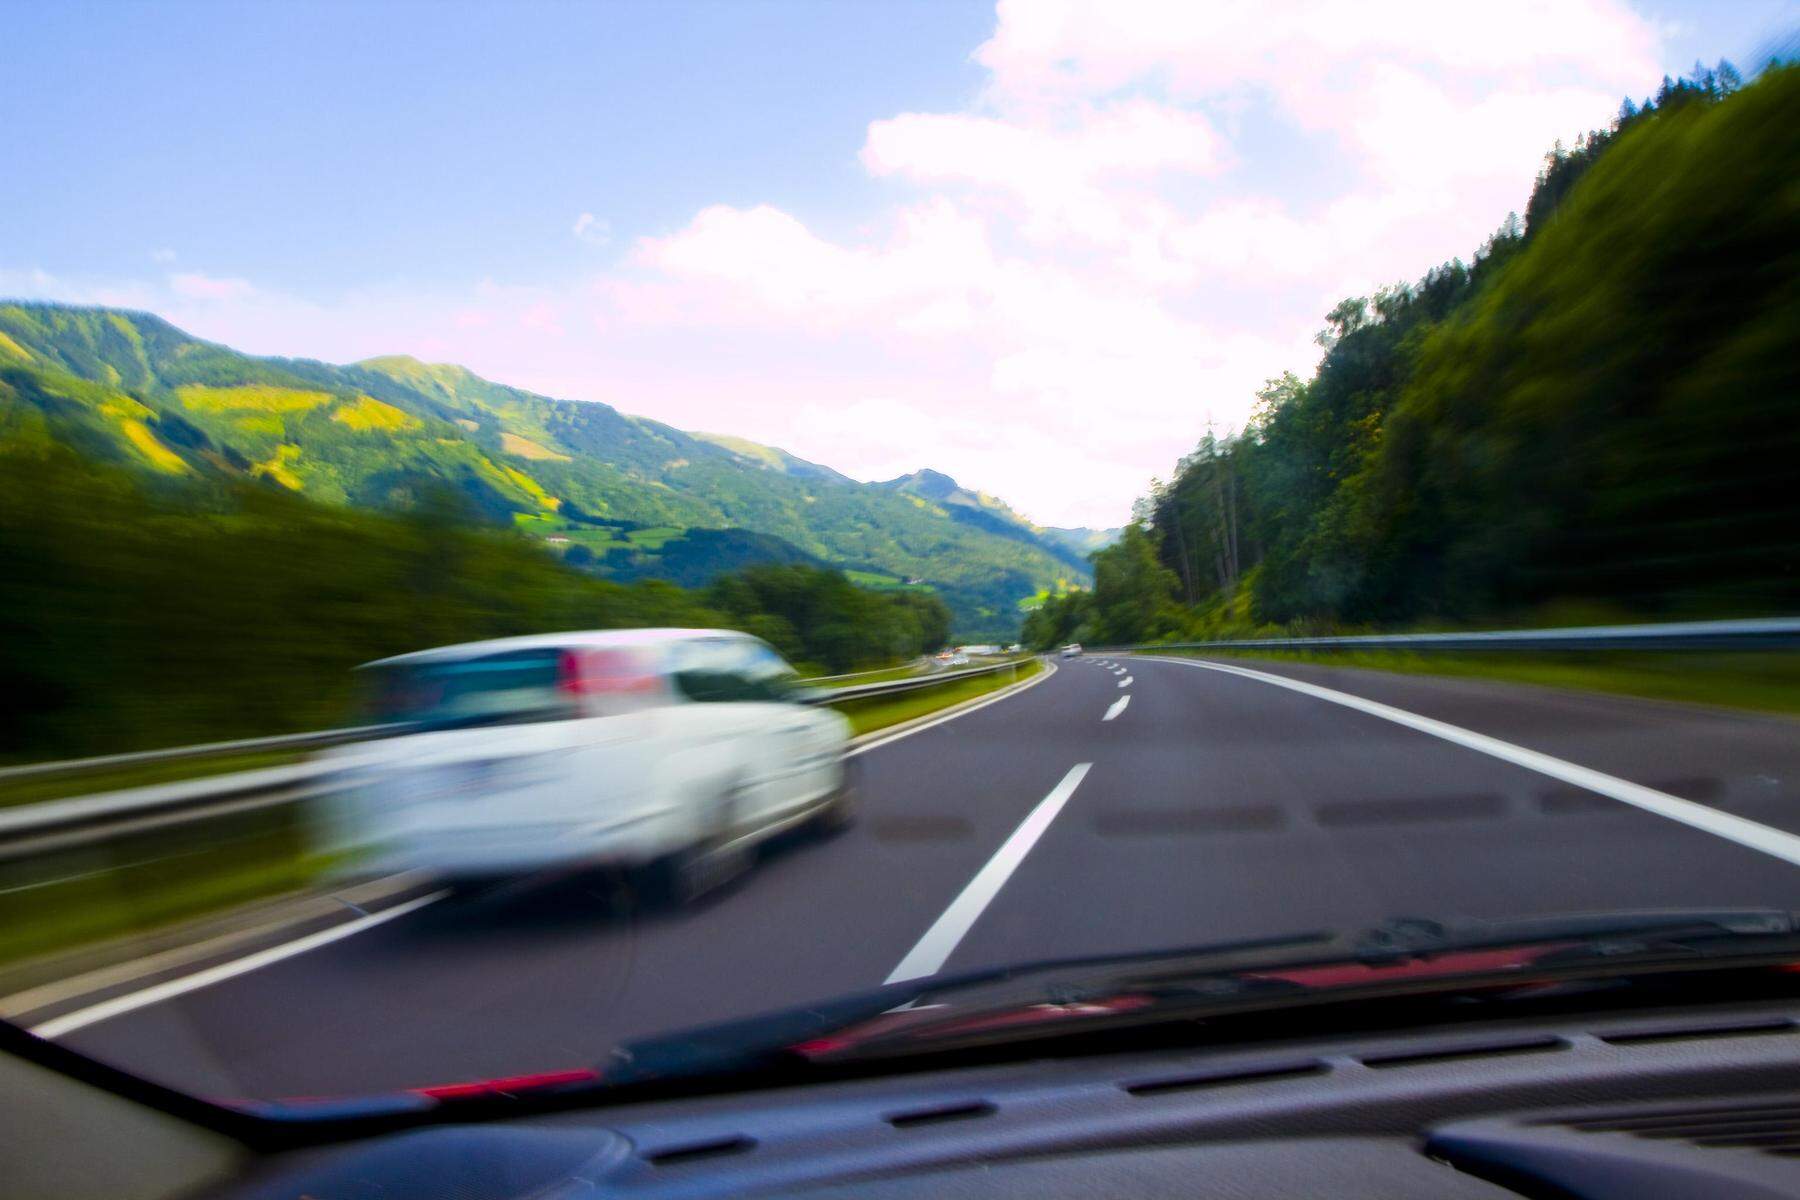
<point>669,750</point>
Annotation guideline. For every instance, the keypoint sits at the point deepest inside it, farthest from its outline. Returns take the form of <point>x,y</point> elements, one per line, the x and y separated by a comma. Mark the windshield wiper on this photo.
<point>736,1045</point>
<point>1415,936</point>
<point>1077,994</point>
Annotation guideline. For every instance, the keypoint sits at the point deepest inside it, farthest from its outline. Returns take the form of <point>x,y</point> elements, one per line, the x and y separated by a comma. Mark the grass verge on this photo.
<point>879,712</point>
<point>137,883</point>
<point>1765,682</point>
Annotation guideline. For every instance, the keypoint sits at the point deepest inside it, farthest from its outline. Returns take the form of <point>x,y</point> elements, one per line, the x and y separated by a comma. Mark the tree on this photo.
<point>1134,593</point>
<point>1597,405</point>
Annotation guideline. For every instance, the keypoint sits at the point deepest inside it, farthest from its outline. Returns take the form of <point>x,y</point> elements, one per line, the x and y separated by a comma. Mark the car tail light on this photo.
<point>582,673</point>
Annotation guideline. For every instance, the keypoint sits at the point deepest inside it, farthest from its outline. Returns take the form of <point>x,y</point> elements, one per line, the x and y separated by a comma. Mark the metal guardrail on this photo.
<point>286,741</point>
<point>1768,633</point>
<point>920,663</point>
<point>54,824</point>
<point>888,687</point>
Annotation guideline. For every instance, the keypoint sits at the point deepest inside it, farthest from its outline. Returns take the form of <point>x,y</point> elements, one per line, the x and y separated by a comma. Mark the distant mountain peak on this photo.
<point>930,485</point>
<point>639,497</point>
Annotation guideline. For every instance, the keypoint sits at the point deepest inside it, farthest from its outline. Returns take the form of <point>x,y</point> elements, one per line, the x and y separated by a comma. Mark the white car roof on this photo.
<point>598,638</point>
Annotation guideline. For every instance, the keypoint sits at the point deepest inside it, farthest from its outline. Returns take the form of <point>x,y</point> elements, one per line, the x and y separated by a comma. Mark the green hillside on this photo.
<point>977,510</point>
<point>619,495</point>
<point>1598,416</point>
<point>1082,541</point>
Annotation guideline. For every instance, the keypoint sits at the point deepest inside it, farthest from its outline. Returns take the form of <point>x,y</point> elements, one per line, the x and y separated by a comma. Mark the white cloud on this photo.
<point>1304,51</point>
<point>592,230</point>
<point>196,286</point>
<point>1141,217</point>
<point>163,255</point>
<point>1074,242</point>
<point>1132,139</point>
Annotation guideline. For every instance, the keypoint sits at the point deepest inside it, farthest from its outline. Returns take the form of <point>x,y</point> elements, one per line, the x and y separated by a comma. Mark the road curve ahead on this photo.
<point>1118,805</point>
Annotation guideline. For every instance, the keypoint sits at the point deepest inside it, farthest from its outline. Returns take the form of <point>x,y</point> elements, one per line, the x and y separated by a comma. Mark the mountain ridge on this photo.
<point>384,432</point>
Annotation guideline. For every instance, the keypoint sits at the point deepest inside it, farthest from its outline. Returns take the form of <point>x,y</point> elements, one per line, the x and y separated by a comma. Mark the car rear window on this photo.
<point>496,689</point>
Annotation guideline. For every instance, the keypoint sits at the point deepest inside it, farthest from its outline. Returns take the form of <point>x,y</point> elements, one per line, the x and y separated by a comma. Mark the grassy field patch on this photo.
<point>1766,682</point>
<point>654,537</point>
<point>160,456</point>
<point>255,397</point>
<point>526,448</point>
<point>280,466</point>
<point>366,413</point>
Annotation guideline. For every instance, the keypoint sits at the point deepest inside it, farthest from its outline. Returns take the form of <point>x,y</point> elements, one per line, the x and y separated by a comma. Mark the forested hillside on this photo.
<point>1600,413</point>
<point>620,496</point>
<point>134,617</point>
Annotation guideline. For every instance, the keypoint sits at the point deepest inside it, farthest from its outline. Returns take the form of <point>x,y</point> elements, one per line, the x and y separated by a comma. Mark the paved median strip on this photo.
<point>947,931</point>
<point>1774,842</point>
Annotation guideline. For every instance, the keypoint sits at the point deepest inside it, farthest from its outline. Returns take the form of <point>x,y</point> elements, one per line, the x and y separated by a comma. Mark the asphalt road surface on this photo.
<point>1115,806</point>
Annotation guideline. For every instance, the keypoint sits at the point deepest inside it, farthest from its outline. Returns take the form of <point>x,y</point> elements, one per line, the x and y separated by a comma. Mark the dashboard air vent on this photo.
<point>1681,1033</point>
<point>947,1112</point>
<point>695,1150</point>
<point>1419,1058</point>
<point>1771,1128</point>
<point>1182,1083</point>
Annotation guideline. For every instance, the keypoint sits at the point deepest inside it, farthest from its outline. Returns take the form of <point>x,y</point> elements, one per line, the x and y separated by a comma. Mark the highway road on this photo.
<point>1116,805</point>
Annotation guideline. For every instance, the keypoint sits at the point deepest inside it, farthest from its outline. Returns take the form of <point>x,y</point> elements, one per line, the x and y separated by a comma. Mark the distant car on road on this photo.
<point>671,751</point>
<point>1071,650</point>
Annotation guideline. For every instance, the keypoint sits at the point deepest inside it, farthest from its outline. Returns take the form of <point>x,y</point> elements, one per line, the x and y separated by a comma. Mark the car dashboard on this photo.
<point>1655,1105</point>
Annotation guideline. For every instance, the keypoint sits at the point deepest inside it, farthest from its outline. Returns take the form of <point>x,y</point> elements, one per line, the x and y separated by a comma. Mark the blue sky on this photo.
<point>320,145</point>
<point>1033,248</point>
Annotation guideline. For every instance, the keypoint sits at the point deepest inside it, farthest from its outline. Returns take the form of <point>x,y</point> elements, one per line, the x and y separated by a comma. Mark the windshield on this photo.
<point>492,689</point>
<point>528,528</point>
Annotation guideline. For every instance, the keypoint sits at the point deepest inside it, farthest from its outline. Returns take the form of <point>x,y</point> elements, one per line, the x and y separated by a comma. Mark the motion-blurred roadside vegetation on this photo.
<point>1598,417</point>
<point>136,614</point>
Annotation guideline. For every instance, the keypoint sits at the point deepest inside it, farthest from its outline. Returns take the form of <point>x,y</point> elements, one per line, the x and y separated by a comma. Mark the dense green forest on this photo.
<point>1599,414</point>
<point>619,496</point>
<point>139,614</point>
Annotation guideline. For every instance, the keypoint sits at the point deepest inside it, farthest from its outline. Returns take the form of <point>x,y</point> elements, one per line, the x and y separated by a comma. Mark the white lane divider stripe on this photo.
<point>1125,682</point>
<point>948,930</point>
<point>1775,842</point>
<point>1118,706</point>
<point>119,1005</point>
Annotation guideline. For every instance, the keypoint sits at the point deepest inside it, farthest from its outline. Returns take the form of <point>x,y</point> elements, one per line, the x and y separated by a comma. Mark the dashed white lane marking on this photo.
<point>1125,682</point>
<point>1775,842</point>
<point>1118,706</point>
<point>942,938</point>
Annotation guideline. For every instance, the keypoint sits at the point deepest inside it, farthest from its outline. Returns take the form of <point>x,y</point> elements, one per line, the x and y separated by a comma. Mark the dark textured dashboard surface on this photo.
<point>1346,1117</point>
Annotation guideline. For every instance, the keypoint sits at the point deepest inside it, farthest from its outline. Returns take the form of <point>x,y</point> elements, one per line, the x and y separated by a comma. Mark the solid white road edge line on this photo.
<point>961,710</point>
<point>944,934</point>
<point>1118,706</point>
<point>1778,843</point>
<point>118,1005</point>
